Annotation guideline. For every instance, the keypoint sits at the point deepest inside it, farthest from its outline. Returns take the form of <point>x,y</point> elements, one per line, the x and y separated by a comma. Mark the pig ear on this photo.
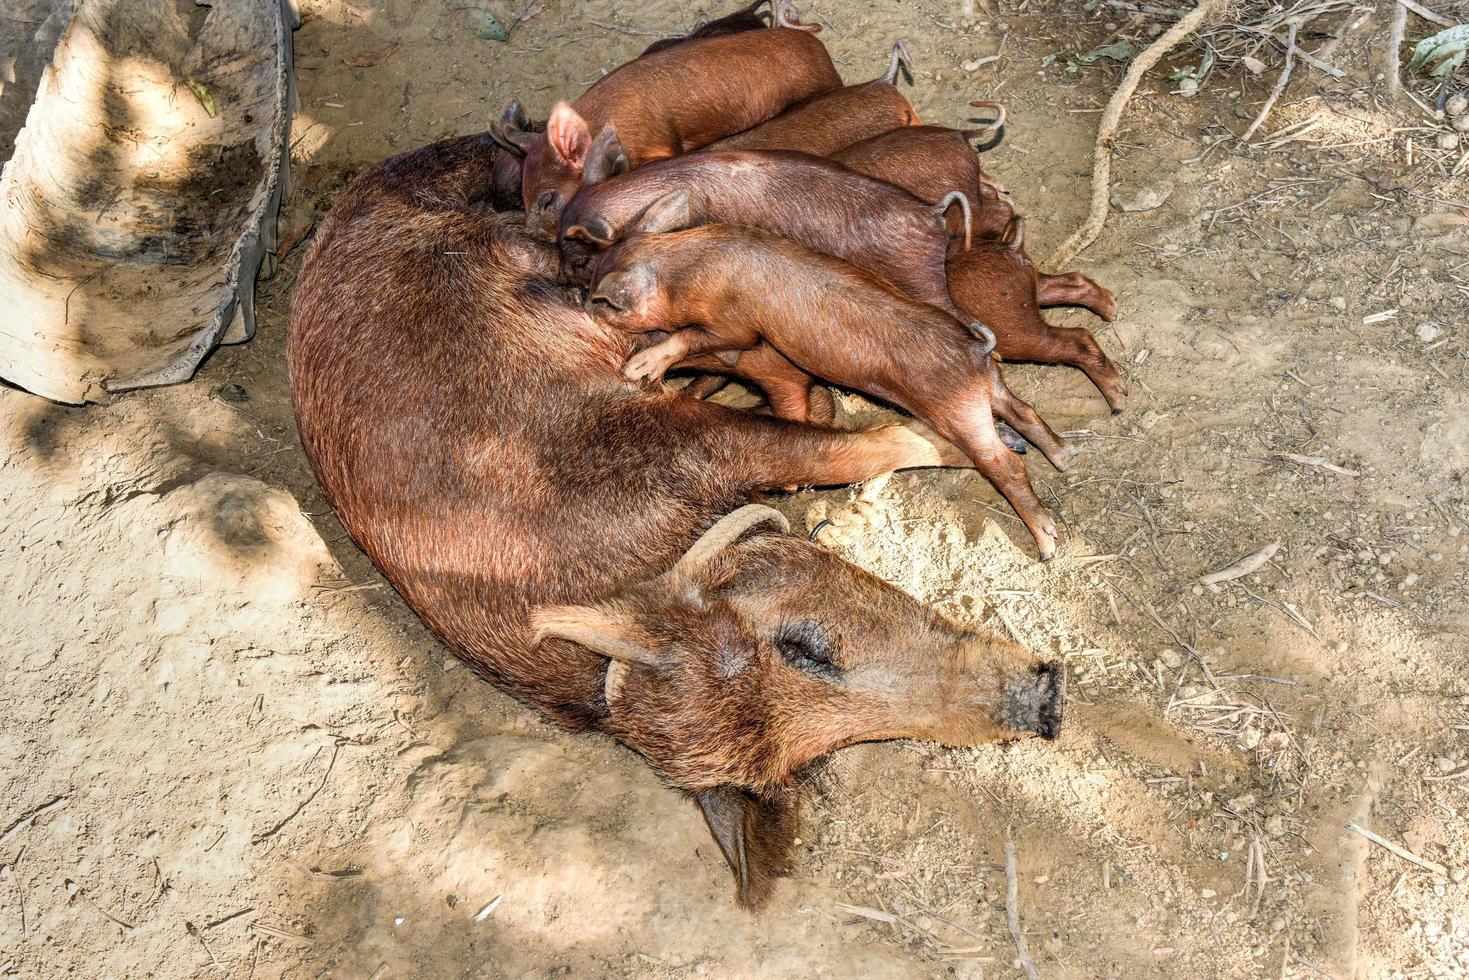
<point>669,213</point>
<point>512,129</point>
<point>623,290</point>
<point>601,629</point>
<point>755,835</point>
<point>605,159</point>
<point>595,230</point>
<point>1014,236</point>
<point>568,134</point>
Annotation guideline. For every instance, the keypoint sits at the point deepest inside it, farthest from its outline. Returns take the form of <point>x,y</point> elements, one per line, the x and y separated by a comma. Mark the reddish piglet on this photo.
<point>931,162</point>
<point>744,287</point>
<point>669,102</point>
<point>744,19</point>
<point>811,200</point>
<point>997,282</point>
<point>829,122</point>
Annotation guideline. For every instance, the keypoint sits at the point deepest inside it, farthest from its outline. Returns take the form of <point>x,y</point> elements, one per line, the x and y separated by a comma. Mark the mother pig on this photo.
<point>586,542</point>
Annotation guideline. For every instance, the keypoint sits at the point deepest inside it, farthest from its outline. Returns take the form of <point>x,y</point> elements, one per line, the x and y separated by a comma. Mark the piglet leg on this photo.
<point>651,363</point>
<point>1074,346</point>
<point>972,428</point>
<point>706,385</point>
<point>792,393</point>
<point>1075,289</point>
<point>840,457</point>
<point>771,454</point>
<point>1024,419</point>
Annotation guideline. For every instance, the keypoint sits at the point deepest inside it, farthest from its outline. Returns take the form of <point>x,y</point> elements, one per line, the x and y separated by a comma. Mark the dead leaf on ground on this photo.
<point>368,59</point>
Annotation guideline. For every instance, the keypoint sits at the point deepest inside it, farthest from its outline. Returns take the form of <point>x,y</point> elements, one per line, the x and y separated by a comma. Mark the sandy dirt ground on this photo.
<point>229,749</point>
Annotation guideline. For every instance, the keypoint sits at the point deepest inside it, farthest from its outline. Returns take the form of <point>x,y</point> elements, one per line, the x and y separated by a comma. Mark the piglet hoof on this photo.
<point>1043,529</point>
<point>646,365</point>
<point>1115,391</point>
<point>1046,548</point>
<point>1062,456</point>
<point>1105,305</point>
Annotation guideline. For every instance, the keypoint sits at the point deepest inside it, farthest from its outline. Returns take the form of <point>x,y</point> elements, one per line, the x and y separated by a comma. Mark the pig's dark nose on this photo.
<point>1035,701</point>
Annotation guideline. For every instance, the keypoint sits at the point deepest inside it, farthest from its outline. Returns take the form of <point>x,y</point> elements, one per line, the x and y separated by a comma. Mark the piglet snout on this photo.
<point>1035,702</point>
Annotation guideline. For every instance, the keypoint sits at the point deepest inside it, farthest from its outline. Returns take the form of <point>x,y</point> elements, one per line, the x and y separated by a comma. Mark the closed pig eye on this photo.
<point>807,646</point>
<point>546,200</point>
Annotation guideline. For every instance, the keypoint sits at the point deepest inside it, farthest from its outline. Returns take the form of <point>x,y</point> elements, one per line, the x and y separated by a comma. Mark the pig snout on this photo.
<point>1035,703</point>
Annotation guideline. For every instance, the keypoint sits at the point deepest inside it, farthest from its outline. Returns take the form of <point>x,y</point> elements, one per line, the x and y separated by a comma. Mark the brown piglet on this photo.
<point>719,288</point>
<point>931,162</point>
<point>997,282</point>
<point>809,199</point>
<point>661,105</point>
<point>829,122</point>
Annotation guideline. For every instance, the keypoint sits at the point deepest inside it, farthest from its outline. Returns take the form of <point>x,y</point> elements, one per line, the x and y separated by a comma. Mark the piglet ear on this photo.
<point>594,230</point>
<point>605,159</point>
<point>670,212</point>
<point>568,135</point>
<point>624,290</point>
<point>513,129</point>
<point>601,629</point>
<point>755,834</point>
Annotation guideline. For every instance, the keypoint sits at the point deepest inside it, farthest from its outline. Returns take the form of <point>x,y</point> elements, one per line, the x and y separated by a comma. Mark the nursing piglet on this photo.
<point>872,224</point>
<point>931,162</point>
<point>837,119</point>
<point>997,282</point>
<point>661,105</point>
<point>743,287</point>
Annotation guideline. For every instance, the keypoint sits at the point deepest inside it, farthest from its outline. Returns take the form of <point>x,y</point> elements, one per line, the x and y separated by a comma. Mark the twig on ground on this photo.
<point>1284,608</point>
<point>1398,849</point>
<point>1317,461</point>
<point>876,915</point>
<point>73,889</point>
<point>1107,131</point>
<point>1280,83</point>
<point>1445,778</point>
<point>193,930</point>
<point>1425,13</point>
<point>1391,64</point>
<point>1012,909</point>
<point>258,838</point>
<point>1247,565</point>
<point>31,818</point>
<point>289,937</point>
